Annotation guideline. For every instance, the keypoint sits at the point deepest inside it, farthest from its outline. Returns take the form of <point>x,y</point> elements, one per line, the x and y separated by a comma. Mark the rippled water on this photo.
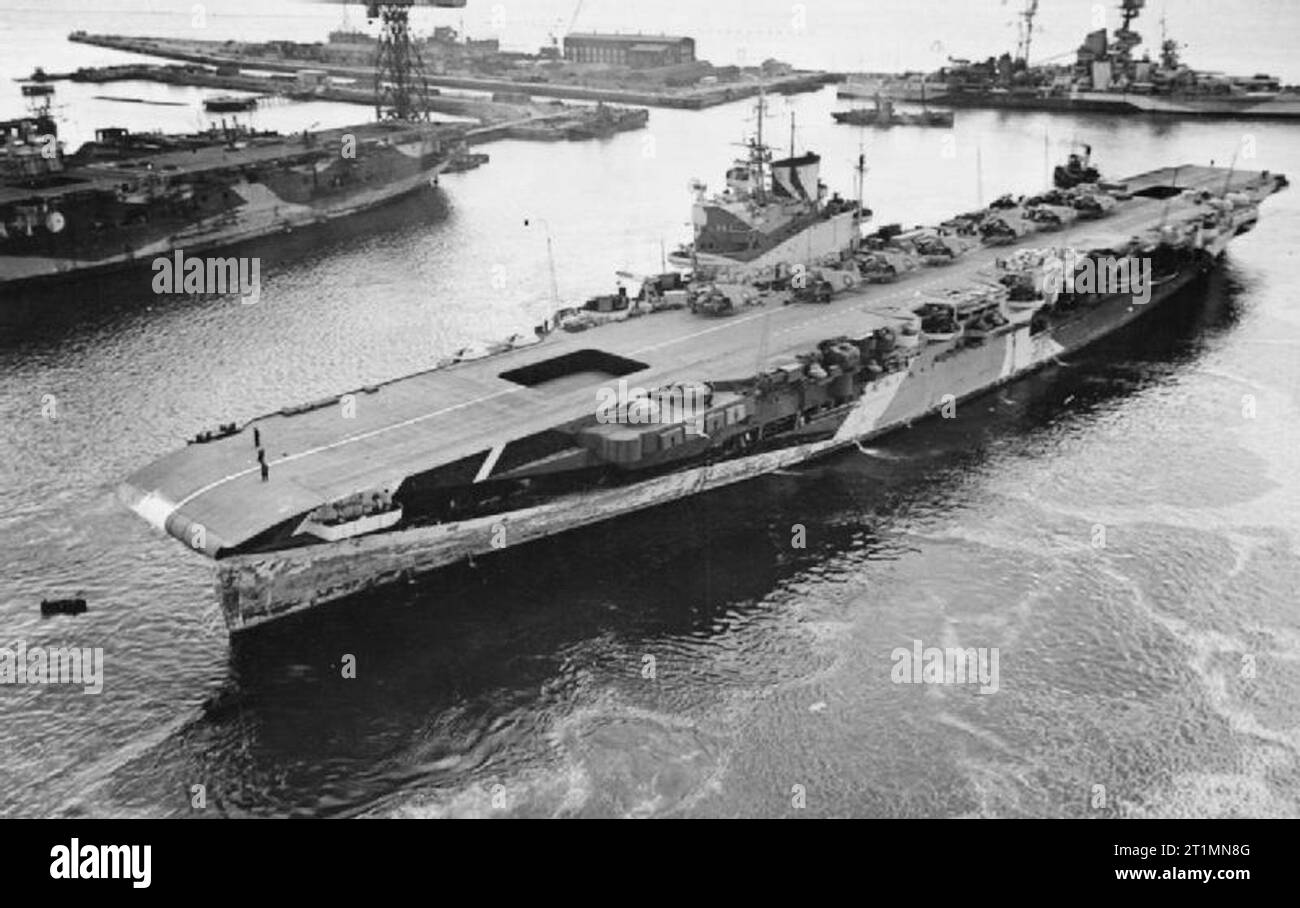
<point>519,686</point>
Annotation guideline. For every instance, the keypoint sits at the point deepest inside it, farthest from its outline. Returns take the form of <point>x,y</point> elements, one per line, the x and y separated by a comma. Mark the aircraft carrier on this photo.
<point>124,199</point>
<point>546,433</point>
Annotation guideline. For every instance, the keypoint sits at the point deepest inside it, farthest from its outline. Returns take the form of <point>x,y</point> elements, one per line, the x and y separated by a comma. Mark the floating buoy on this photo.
<point>63,606</point>
<point>55,222</point>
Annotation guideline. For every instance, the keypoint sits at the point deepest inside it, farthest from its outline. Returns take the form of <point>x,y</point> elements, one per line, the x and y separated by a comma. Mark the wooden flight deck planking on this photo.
<point>432,418</point>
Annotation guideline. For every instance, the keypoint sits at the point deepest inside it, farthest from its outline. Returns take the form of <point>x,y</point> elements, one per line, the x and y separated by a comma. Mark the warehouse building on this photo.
<point>637,51</point>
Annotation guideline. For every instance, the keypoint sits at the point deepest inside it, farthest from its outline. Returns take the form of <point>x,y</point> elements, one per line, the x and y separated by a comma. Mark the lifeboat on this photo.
<point>356,515</point>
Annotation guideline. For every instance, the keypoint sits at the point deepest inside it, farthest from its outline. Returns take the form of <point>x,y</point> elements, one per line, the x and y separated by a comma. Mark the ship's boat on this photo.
<point>355,515</point>
<point>1077,169</point>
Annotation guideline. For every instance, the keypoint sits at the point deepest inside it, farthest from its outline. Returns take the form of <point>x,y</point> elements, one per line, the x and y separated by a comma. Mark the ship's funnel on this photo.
<point>796,178</point>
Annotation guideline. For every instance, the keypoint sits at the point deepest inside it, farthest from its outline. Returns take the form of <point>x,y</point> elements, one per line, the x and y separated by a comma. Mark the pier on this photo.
<point>698,95</point>
<point>514,116</point>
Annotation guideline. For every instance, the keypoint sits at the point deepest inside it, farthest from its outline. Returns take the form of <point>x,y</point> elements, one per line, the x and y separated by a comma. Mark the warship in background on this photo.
<point>125,198</point>
<point>1106,76</point>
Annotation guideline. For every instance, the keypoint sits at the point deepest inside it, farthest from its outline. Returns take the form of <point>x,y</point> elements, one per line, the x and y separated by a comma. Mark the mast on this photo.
<point>550,258</point>
<point>862,178</point>
<point>1227,180</point>
<point>759,149</point>
<point>1125,38</point>
<point>1047,159</point>
<point>792,133</point>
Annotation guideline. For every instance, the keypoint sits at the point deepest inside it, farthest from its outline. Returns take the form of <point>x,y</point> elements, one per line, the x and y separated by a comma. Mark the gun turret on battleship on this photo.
<point>1107,76</point>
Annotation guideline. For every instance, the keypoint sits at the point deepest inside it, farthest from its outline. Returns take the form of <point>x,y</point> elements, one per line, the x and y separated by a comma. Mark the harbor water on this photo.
<point>1121,529</point>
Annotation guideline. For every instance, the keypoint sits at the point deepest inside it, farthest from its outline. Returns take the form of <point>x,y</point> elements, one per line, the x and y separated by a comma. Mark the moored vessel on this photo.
<point>1106,76</point>
<point>126,198</point>
<point>884,115</point>
<point>230,103</point>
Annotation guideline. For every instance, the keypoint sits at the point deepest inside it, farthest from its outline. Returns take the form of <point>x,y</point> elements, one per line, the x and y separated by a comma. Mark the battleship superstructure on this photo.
<point>658,400</point>
<point>126,198</point>
<point>1106,76</point>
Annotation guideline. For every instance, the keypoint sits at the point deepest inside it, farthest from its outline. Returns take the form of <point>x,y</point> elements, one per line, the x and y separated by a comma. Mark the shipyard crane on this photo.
<point>401,86</point>
<point>1026,30</point>
<point>555,39</point>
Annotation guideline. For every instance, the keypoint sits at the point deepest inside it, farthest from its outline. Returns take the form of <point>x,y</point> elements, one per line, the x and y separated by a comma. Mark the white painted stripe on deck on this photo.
<point>155,509</point>
<point>346,441</point>
<point>493,456</point>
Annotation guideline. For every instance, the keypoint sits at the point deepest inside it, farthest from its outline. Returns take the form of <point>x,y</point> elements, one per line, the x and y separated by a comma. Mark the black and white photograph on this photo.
<point>692,409</point>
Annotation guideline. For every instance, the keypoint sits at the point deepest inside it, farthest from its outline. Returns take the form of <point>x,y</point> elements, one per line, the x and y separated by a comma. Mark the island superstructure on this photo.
<point>772,214</point>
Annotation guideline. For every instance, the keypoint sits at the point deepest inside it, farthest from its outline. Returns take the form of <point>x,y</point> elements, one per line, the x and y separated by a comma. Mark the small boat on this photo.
<point>360,526</point>
<point>466,160</point>
<point>73,606</point>
<point>37,90</point>
<point>1077,169</point>
<point>356,515</point>
<point>230,103</point>
<point>884,115</point>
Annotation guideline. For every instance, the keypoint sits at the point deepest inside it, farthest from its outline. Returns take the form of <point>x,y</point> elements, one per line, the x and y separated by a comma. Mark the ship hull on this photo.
<point>1286,108</point>
<point>265,216</point>
<point>255,589</point>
